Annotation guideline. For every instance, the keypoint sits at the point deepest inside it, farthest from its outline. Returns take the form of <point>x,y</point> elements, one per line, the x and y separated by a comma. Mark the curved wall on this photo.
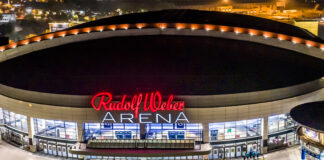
<point>275,42</point>
<point>192,101</point>
<point>195,115</point>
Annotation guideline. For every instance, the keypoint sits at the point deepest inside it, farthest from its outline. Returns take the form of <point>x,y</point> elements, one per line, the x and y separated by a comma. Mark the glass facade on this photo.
<point>55,129</point>
<point>312,134</point>
<point>235,149</point>
<point>277,123</point>
<point>234,130</point>
<point>111,131</point>
<point>235,139</point>
<point>228,139</point>
<point>17,130</point>
<point>14,120</point>
<point>174,131</point>
<point>282,133</point>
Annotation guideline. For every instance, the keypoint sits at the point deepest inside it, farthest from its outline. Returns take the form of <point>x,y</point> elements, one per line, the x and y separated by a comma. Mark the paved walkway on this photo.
<point>293,153</point>
<point>9,152</point>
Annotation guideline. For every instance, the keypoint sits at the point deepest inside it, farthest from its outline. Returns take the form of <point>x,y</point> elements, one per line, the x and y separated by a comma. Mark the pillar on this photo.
<point>205,132</point>
<point>30,125</point>
<point>303,153</point>
<point>80,131</point>
<point>265,135</point>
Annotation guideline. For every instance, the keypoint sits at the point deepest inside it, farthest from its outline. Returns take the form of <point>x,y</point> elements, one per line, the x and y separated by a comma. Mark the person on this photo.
<point>247,155</point>
<point>257,154</point>
<point>253,154</point>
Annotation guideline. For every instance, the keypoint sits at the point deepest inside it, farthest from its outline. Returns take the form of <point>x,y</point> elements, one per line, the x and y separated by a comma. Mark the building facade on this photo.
<point>235,105</point>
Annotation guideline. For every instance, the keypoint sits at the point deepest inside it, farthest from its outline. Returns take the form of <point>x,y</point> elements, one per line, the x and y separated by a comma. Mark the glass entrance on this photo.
<point>54,148</point>
<point>218,153</point>
<point>45,148</point>
<point>59,150</point>
<point>50,150</point>
<point>227,152</point>
<point>238,151</point>
<point>64,150</point>
<point>235,150</point>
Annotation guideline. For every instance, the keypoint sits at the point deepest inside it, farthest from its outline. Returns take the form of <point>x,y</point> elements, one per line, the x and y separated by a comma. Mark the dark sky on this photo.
<point>162,4</point>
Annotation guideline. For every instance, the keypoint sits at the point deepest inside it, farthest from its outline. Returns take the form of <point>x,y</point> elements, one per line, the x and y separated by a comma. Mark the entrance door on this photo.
<point>64,154</point>
<point>238,151</point>
<point>215,153</point>
<point>45,148</point>
<point>54,149</point>
<point>232,152</point>
<point>227,152</point>
<point>59,150</point>
<point>50,150</point>
<point>221,154</point>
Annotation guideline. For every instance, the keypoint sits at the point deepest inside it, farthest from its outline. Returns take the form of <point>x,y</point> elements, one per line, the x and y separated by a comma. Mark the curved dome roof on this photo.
<point>206,17</point>
<point>309,115</point>
<point>181,65</point>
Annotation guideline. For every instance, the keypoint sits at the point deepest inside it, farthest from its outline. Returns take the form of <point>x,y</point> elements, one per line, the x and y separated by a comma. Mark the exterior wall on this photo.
<point>195,115</point>
<point>192,101</point>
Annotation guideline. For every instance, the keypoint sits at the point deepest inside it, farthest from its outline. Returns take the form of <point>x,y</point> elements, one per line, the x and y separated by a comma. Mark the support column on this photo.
<point>80,131</point>
<point>32,143</point>
<point>265,135</point>
<point>303,153</point>
<point>142,131</point>
<point>205,132</point>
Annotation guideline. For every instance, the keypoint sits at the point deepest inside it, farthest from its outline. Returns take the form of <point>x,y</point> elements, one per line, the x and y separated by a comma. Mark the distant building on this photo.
<point>7,18</point>
<point>45,1</point>
<point>310,25</point>
<point>53,27</point>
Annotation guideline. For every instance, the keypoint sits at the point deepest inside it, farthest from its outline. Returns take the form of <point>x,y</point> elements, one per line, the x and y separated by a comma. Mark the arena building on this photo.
<point>171,84</point>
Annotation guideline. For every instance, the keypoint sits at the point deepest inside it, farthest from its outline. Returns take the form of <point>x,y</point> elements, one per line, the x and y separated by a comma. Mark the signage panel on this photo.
<point>140,108</point>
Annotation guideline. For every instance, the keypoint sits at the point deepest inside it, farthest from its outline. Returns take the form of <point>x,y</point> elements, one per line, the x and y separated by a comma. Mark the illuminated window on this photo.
<point>312,134</point>
<point>55,129</point>
<point>235,129</point>
<point>111,131</point>
<point>280,122</point>
<point>174,131</point>
<point>14,120</point>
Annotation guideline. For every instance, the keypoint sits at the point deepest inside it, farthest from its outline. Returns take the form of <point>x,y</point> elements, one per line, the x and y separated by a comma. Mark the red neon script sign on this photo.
<point>152,102</point>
